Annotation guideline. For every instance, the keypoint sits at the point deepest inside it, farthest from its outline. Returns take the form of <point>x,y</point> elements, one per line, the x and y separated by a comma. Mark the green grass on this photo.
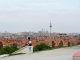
<point>41,47</point>
<point>8,50</point>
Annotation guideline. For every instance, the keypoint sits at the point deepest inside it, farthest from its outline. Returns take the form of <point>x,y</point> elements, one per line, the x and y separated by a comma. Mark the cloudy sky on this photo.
<point>35,15</point>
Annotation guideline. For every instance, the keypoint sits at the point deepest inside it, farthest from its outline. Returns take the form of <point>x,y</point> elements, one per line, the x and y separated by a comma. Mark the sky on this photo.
<point>35,15</point>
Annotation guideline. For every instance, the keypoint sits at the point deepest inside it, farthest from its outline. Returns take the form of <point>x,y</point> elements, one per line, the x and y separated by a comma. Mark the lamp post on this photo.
<point>50,28</point>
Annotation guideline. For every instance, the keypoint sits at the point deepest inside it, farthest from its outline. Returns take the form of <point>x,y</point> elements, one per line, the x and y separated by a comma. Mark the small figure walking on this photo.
<point>30,45</point>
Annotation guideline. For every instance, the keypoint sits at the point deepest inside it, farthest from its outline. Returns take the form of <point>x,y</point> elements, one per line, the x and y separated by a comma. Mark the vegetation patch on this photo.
<point>41,47</point>
<point>60,44</point>
<point>8,50</point>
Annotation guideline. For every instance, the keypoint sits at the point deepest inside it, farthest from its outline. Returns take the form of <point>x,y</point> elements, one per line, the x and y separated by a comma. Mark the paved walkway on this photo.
<point>56,54</point>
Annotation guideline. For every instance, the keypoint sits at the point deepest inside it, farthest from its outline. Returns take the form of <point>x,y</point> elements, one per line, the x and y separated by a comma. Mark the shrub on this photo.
<point>60,44</point>
<point>8,50</point>
<point>78,43</point>
<point>41,47</point>
<point>53,44</point>
<point>1,45</point>
<point>14,45</point>
<point>68,44</point>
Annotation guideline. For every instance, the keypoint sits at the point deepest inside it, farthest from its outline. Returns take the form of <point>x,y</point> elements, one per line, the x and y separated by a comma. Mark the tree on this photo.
<point>61,44</point>
<point>15,45</point>
<point>53,44</point>
<point>1,45</point>
<point>68,44</point>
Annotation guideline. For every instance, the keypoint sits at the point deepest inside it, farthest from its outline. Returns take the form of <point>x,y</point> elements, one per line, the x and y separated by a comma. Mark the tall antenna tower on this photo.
<point>50,28</point>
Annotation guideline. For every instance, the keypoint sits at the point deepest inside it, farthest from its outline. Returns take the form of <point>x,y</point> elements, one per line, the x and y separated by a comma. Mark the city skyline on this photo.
<point>35,15</point>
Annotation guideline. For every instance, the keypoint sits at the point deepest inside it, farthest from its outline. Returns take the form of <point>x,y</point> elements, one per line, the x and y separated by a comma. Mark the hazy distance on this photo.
<point>35,15</point>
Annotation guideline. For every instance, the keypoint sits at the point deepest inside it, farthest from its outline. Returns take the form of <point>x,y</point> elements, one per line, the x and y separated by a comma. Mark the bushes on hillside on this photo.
<point>41,47</point>
<point>8,50</point>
